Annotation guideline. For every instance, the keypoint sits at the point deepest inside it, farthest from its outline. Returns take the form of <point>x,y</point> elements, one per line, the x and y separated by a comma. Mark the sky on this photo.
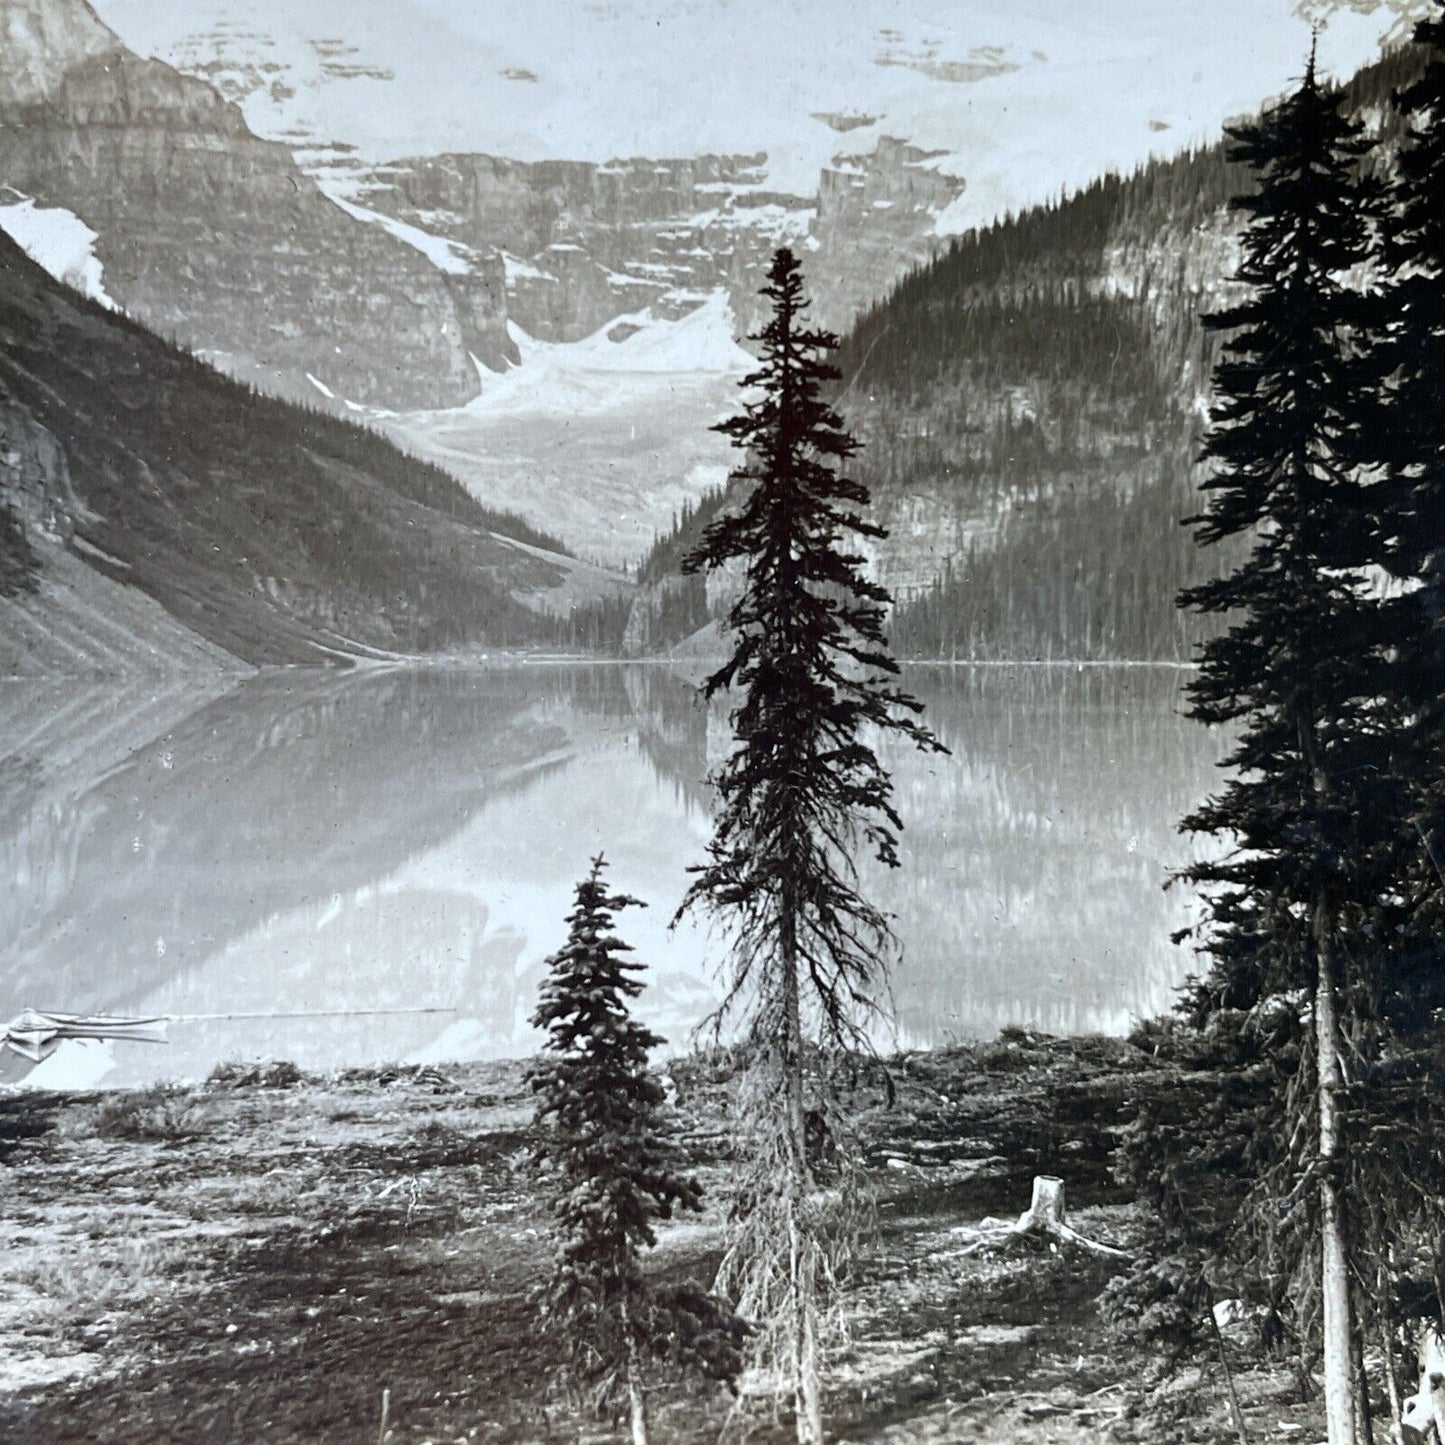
<point>1024,97</point>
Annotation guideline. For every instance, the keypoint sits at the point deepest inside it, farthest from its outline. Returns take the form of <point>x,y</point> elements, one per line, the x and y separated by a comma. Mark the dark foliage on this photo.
<point>1411,322</point>
<point>1191,1163</point>
<point>802,795</point>
<point>1399,1096</point>
<point>612,1171</point>
<point>1321,883</point>
<point>802,787</point>
<point>1299,666</point>
<point>1299,862</point>
<point>596,626</point>
<point>664,558</point>
<point>629,623</point>
<point>19,565</point>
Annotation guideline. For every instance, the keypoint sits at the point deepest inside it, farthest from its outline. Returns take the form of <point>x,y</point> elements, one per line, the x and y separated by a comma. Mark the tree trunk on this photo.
<point>1340,1364</point>
<point>636,1395</point>
<point>637,1400</point>
<point>1387,1351</point>
<point>1240,1430</point>
<point>807,1395</point>
<point>1046,1208</point>
<point>1364,1411</point>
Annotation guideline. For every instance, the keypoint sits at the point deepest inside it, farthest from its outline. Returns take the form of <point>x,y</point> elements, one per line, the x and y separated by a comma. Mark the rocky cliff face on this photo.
<point>585,241</point>
<point>215,237</point>
<point>584,244</point>
<point>222,240</point>
<point>40,41</point>
<point>35,478</point>
<point>876,221</point>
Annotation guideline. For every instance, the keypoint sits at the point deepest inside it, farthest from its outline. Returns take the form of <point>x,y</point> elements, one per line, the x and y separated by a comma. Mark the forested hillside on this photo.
<point>1030,406</point>
<point>136,480</point>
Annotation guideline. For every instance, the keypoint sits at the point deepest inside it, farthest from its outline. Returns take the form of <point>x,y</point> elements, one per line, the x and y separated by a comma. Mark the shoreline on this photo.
<point>245,672</point>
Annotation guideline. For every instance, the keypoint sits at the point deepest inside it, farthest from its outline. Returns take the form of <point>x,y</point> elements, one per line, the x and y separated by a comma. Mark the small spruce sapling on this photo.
<point>613,1173</point>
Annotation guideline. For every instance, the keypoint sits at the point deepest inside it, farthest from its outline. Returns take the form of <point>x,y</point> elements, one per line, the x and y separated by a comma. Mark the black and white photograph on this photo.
<point>722,722</point>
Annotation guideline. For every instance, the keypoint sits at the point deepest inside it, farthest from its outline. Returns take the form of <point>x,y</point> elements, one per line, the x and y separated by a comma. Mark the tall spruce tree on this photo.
<point>1412,341</point>
<point>1414,313</point>
<point>1299,672</point>
<point>1404,1095</point>
<point>613,1173</point>
<point>802,794</point>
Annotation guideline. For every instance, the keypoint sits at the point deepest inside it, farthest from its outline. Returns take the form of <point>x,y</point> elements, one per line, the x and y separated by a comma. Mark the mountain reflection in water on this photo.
<point>321,843</point>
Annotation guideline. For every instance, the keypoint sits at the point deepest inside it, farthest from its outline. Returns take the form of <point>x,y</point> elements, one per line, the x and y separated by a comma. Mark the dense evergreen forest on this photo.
<point>19,566</point>
<point>1308,1182</point>
<point>1031,405</point>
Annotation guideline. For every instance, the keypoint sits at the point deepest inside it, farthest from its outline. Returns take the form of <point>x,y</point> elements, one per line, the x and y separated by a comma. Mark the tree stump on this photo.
<point>1045,1214</point>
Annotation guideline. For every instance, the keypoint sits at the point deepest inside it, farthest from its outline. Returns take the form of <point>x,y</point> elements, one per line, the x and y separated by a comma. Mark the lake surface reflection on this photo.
<point>397,841</point>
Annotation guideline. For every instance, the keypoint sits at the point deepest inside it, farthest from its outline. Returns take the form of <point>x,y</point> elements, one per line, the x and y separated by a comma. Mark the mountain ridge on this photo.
<point>1030,405</point>
<point>214,236</point>
<point>240,529</point>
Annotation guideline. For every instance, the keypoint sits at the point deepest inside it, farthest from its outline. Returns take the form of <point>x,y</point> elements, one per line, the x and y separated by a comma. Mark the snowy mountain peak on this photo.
<point>1401,15</point>
<point>1024,100</point>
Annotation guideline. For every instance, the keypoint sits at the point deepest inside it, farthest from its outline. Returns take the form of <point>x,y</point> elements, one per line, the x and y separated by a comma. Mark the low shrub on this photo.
<point>165,1114</point>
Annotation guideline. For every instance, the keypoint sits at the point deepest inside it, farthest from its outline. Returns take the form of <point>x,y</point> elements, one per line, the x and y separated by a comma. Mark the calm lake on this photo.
<point>363,846</point>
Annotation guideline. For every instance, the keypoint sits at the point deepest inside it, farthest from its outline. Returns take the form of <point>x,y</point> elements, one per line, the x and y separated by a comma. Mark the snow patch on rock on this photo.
<point>59,241</point>
<point>448,256</point>
<point>604,439</point>
<point>1022,100</point>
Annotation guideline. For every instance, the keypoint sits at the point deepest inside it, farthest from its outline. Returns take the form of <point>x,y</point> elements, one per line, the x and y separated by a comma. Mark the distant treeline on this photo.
<point>664,557</point>
<point>1057,582</point>
<point>357,442</point>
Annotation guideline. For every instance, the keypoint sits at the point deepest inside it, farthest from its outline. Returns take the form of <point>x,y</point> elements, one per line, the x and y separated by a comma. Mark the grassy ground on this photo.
<point>257,1259</point>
